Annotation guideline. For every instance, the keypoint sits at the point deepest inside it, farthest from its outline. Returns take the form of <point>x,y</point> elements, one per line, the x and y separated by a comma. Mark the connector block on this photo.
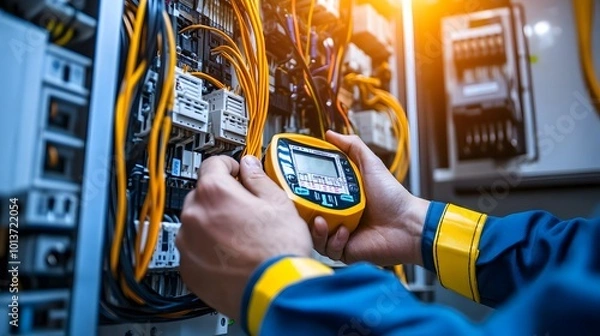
<point>229,127</point>
<point>375,129</point>
<point>191,114</point>
<point>165,256</point>
<point>226,100</point>
<point>190,111</point>
<point>325,11</point>
<point>187,85</point>
<point>371,31</point>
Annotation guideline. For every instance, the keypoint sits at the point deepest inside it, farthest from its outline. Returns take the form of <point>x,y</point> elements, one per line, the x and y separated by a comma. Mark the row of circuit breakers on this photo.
<point>486,68</point>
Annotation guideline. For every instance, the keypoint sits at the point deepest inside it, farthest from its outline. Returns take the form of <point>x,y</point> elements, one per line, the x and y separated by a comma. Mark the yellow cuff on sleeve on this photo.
<point>456,248</point>
<point>274,280</point>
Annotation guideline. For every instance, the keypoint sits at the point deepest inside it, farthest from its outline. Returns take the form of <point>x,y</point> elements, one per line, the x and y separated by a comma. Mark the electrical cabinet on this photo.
<point>93,138</point>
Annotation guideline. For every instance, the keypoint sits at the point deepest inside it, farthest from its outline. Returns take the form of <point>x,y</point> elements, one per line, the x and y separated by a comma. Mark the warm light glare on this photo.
<point>541,28</point>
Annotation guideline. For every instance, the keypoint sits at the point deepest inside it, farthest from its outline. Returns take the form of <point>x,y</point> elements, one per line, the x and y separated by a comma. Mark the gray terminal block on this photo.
<point>226,100</point>
<point>48,311</point>
<point>46,255</point>
<point>190,112</point>
<point>229,127</point>
<point>60,11</point>
<point>51,209</point>
<point>66,69</point>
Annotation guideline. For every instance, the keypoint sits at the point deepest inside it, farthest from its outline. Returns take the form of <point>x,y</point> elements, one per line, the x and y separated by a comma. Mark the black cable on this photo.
<point>298,55</point>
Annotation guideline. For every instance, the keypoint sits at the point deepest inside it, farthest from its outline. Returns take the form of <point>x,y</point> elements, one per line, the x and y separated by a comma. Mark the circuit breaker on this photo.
<point>487,84</point>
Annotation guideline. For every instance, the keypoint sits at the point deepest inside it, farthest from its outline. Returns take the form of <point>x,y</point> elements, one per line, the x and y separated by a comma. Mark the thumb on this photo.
<point>355,148</point>
<point>256,181</point>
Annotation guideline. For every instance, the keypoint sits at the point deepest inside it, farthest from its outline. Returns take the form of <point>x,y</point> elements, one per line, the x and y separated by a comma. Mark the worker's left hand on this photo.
<point>230,228</point>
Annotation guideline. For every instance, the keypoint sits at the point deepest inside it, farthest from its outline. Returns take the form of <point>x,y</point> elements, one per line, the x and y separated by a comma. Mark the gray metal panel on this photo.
<point>23,48</point>
<point>567,124</point>
<point>90,239</point>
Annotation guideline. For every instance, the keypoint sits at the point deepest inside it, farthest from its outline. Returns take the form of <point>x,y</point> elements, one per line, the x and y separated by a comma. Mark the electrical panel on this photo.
<point>46,99</point>
<point>488,86</point>
<point>106,148</point>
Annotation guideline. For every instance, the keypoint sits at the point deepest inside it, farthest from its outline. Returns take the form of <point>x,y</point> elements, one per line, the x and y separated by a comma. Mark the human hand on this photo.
<point>390,229</point>
<point>230,228</point>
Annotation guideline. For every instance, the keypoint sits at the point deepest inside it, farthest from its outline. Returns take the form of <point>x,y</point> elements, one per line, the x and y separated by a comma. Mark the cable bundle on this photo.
<point>147,36</point>
<point>380,100</point>
<point>251,66</point>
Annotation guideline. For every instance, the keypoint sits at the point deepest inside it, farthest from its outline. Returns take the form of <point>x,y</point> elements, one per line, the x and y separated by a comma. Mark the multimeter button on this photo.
<point>353,188</point>
<point>283,148</point>
<point>347,198</point>
<point>301,191</point>
<point>291,178</point>
<point>284,157</point>
<point>325,203</point>
<point>344,162</point>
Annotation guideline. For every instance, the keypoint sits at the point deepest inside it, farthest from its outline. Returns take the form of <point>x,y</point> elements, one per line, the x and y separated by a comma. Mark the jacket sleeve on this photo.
<point>488,258</point>
<point>558,262</point>
<point>301,297</point>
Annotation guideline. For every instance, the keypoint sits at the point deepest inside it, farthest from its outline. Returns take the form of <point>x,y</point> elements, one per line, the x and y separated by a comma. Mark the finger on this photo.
<point>319,233</point>
<point>217,175</point>
<point>256,181</point>
<point>191,211</point>
<point>352,145</point>
<point>337,243</point>
<point>219,165</point>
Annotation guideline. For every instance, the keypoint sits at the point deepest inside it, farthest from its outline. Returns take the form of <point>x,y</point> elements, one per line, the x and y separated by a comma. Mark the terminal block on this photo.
<point>375,129</point>
<point>226,100</point>
<point>228,120</point>
<point>186,161</point>
<point>325,11</point>
<point>190,111</point>
<point>372,32</point>
<point>229,127</point>
<point>166,256</point>
<point>357,61</point>
<point>65,11</point>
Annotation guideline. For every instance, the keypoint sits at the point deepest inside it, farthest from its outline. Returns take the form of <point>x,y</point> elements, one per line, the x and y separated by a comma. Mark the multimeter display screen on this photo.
<point>311,164</point>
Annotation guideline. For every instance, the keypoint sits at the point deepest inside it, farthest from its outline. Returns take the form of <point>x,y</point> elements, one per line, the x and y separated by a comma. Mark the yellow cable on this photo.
<point>382,100</point>
<point>584,11</point>
<point>296,28</point>
<point>165,104</point>
<point>131,77</point>
<point>66,38</point>
<point>209,78</point>
<point>308,30</point>
<point>400,274</point>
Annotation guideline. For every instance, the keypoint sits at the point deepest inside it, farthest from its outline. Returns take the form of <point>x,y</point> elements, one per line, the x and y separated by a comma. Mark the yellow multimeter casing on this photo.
<point>318,177</point>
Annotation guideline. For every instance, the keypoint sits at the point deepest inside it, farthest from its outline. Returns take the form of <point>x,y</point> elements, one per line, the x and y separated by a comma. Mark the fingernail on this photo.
<point>252,161</point>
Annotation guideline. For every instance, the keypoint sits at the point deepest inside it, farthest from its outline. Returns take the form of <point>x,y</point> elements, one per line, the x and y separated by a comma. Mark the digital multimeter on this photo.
<point>318,177</point>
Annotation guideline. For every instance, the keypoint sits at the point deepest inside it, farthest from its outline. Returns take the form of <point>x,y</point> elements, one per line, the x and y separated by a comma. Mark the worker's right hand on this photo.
<point>390,229</point>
